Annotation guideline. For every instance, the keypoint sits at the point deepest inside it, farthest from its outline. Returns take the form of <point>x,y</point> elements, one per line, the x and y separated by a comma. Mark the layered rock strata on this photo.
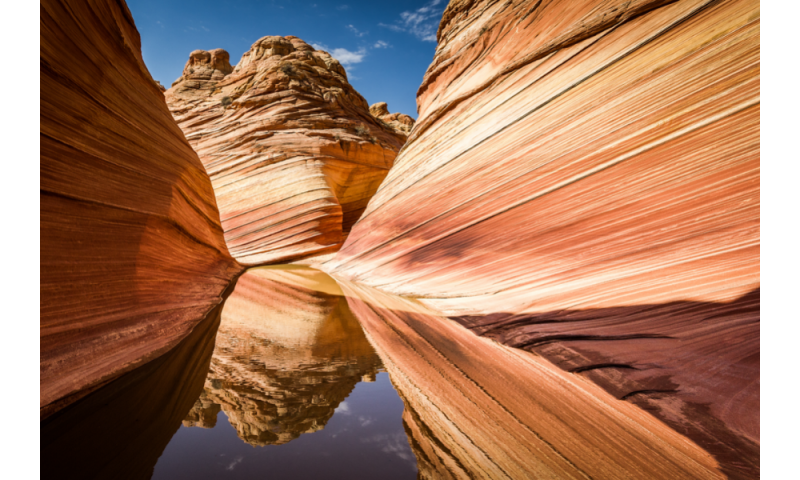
<point>583,182</point>
<point>292,149</point>
<point>477,409</point>
<point>120,430</point>
<point>575,156</point>
<point>132,252</point>
<point>286,356</point>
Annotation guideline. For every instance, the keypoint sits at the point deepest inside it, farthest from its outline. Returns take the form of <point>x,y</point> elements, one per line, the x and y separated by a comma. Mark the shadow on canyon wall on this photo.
<point>694,365</point>
<point>120,430</point>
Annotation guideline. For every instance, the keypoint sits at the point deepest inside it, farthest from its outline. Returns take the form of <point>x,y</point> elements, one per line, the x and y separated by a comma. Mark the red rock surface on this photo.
<point>583,182</point>
<point>477,409</point>
<point>291,147</point>
<point>132,252</point>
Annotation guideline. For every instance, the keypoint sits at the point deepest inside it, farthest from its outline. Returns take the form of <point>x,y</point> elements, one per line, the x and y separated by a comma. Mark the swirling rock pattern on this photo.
<point>583,183</point>
<point>292,150</point>
<point>575,155</point>
<point>477,409</point>
<point>132,251</point>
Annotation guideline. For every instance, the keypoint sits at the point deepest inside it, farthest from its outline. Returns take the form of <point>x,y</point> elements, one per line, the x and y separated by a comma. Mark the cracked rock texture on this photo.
<point>292,149</point>
<point>583,182</point>
<point>132,251</point>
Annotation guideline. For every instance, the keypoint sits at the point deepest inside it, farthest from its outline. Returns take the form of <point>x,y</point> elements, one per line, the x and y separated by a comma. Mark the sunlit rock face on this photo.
<point>583,183</point>
<point>400,122</point>
<point>286,356</point>
<point>477,409</point>
<point>292,149</point>
<point>132,252</point>
<point>575,155</point>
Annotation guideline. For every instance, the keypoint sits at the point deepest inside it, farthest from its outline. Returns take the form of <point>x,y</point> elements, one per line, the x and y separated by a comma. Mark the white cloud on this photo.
<point>348,58</point>
<point>365,421</point>
<point>422,22</point>
<point>343,408</point>
<point>233,464</point>
<point>320,46</point>
<point>343,7</point>
<point>357,32</point>
<point>381,44</point>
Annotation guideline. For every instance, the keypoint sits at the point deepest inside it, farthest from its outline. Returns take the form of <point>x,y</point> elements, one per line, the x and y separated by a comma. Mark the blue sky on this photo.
<point>384,46</point>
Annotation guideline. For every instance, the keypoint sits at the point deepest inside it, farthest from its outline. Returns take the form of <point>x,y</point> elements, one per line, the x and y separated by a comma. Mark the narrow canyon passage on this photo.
<point>300,376</point>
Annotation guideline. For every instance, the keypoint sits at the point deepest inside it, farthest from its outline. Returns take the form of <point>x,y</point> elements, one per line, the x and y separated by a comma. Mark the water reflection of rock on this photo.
<point>477,409</point>
<point>286,355</point>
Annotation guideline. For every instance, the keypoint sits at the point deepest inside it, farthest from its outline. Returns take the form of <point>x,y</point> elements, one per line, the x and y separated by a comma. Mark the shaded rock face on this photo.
<point>286,356</point>
<point>694,365</point>
<point>120,430</point>
<point>292,150</point>
<point>400,122</point>
<point>132,251</point>
<point>572,155</point>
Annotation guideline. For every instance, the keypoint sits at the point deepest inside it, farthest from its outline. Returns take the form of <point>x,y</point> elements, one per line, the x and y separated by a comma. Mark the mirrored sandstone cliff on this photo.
<point>286,356</point>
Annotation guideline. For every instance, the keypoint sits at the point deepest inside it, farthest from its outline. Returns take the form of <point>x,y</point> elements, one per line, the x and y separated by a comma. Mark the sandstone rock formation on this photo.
<point>286,356</point>
<point>132,252</point>
<point>120,430</point>
<point>477,409</point>
<point>400,122</point>
<point>583,182</point>
<point>292,150</point>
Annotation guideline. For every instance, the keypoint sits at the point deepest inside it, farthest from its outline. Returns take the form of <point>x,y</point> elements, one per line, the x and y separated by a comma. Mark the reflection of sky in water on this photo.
<point>364,439</point>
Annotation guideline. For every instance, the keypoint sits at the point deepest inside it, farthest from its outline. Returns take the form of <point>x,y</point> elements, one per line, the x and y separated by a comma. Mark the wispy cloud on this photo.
<point>348,58</point>
<point>235,462</point>
<point>343,7</point>
<point>357,32</point>
<point>422,22</point>
<point>381,44</point>
<point>394,444</point>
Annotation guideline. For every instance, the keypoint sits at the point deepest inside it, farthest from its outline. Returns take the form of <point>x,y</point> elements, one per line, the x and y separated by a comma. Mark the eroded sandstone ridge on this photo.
<point>132,252</point>
<point>292,149</point>
<point>583,182</point>
<point>400,122</point>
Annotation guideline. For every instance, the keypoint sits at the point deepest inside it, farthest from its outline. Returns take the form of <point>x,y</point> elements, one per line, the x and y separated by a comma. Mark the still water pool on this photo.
<point>300,376</point>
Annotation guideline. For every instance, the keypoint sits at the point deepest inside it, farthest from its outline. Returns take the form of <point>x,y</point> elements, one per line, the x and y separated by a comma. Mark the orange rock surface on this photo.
<point>400,122</point>
<point>575,155</point>
<point>292,150</point>
<point>583,182</point>
<point>477,409</point>
<point>132,252</point>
